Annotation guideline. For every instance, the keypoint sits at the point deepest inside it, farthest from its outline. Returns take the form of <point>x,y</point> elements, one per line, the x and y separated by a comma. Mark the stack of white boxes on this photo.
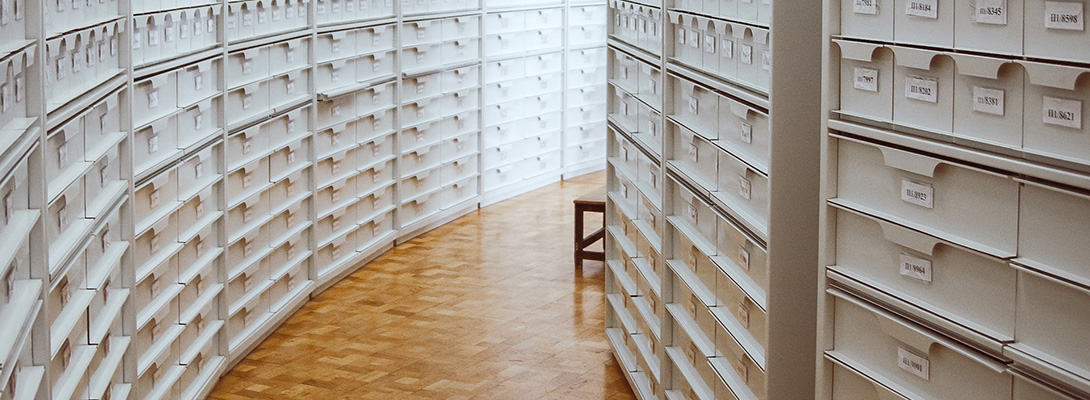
<point>957,200</point>
<point>180,176</point>
<point>86,192</point>
<point>177,123</point>
<point>21,294</point>
<point>269,95</point>
<point>585,122</point>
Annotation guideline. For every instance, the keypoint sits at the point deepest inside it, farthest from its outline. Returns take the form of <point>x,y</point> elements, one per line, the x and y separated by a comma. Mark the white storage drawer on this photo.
<point>503,112</point>
<point>971,207</point>
<point>586,35</point>
<point>461,79</point>
<point>335,45</point>
<point>247,180</point>
<point>928,95</point>
<point>336,223</point>
<point>1048,218</point>
<point>461,27</point>
<point>156,97</point>
<point>335,167</point>
<point>872,21</point>
<point>248,214</point>
<point>496,178</point>
<point>585,133</point>
<point>197,172</point>
<point>420,112</point>
<point>459,124</point>
<point>374,203</point>
<point>866,80</point>
<point>929,25</point>
<point>420,87</point>
<point>461,51</point>
<point>421,32</point>
<point>501,155</point>
<point>420,159</point>
<point>421,183</point>
<point>697,107</point>
<point>588,95</point>
<point>1056,124</point>
<point>744,191</point>
<point>904,355</point>
<point>336,74</point>
<point>696,157</point>
<point>587,77</point>
<point>585,152</point>
<point>459,147</point>
<point>374,177</point>
<point>499,92</point>
<point>370,232</point>
<point>929,273</point>
<point>460,169</point>
<point>419,208</point>
<point>587,58</point>
<point>290,126</point>
<point>199,121</point>
<point>154,198</point>
<point>459,192</point>
<point>289,55</point>
<point>543,143</point>
<point>587,15</point>
<point>1056,30</point>
<point>504,22</point>
<point>421,58</point>
<point>379,148</point>
<point>374,125</point>
<point>541,164</point>
<point>376,65</point>
<point>373,99</point>
<point>498,71</point>
<point>246,146</point>
<point>848,384</point>
<point>425,135</point>
<point>980,86</point>
<point>289,88</point>
<point>544,64</point>
<point>744,132</point>
<point>544,84</point>
<point>692,214</point>
<point>247,66</point>
<point>460,102</point>
<point>248,102</point>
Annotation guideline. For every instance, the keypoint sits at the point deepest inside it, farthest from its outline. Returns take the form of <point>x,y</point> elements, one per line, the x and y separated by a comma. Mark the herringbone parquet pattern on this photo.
<point>486,307</point>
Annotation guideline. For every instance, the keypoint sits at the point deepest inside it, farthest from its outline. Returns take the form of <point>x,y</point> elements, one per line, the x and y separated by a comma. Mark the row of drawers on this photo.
<point>736,52</point>
<point>167,93</point>
<point>263,98</point>
<point>637,24</point>
<point>257,18</point>
<point>521,42</point>
<point>165,35</point>
<point>340,11</point>
<point>14,27</point>
<point>72,149</point>
<point>521,21</point>
<point>166,139</point>
<point>433,6</point>
<point>68,15</point>
<point>81,60</point>
<point>1016,104</point>
<point>733,125</point>
<point>351,43</point>
<point>641,121</point>
<point>752,12</point>
<point>433,31</point>
<point>1021,233</point>
<point>1035,29</point>
<point>636,77</point>
<point>13,86</point>
<point>147,6</point>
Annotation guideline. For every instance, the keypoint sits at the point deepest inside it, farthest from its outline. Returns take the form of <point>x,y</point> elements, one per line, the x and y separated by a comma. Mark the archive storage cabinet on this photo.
<point>712,177</point>
<point>179,176</point>
<point>955,181</point>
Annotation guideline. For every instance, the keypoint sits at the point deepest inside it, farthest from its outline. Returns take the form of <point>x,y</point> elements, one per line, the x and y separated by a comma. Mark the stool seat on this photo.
<point>595,201</point>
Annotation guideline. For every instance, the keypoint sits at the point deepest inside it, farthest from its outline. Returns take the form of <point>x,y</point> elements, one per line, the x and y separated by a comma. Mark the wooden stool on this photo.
<point>591,202</point>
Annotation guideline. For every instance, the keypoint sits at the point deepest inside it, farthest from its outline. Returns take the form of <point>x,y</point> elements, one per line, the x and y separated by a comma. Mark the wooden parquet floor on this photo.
<point>486,307</point>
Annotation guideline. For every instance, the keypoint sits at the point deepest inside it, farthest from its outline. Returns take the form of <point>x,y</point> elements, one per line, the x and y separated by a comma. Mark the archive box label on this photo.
<point>867,7</point>
<point>923,8</point>
<point>1064,16</point>
<point>915,267</point>
<point>922,88</point>
<point>1063,112</point>
<point>919,194</point>
<point>989,101</point>
<point>866,79</point>
<point>991,12</point>
<point>914,364</point>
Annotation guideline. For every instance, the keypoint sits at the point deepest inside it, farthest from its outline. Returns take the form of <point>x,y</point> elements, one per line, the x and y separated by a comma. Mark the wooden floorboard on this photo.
<point>486,307</point>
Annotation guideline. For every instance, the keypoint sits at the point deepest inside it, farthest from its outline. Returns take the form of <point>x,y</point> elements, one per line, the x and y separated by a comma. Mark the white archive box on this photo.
<point>375,38</point>
<point>196,215</point>
<point>624,109</point>
<point>695,157</point>
<point>988,99</point>
<point>336,74</point>
<point>288,88</point>
<point>687,31</point>
<point>587,95</point>
<point>459,192</point>
<point>156,198</point>
<point>971,207</point>
<point>501,155</point>
<point>460,51</point>
<point>248,66</point>
<point>871,20</point>
<point>335,139</point>
<point>587,15</point>
<point>101,122</point>
<point>541,164</point>
<point>336,45</point>
<point>923,89</point>
<point>542,143</point>
<point>745,191</point>
<point>244,321</point>
<point>867,84</point>
<point>369,233</point>
<point>374,203</point>
<point>649,178</point>
<point>66,216</point>
<point>499,92</point>
<point>504,22</point>
<point>286,255</point>
<point>286,283</point>
<point>459,169</point>
<point>459,124</point>
<point>425,31</point>
<point>156,97</point>
<point>248,102</point>
<point>420,159</point>
<point>549,103</point>
<point>376,124</point>
<point>460,79</point>
<point>288,221</point>
<point>996,27</point>
<point>1055,121</point>
<point>335,167</point>
<point>503,70</point>
<point>14,193</point>
<point>421,111</point>
<point>744,132</point>
<point>586,35</point>
<point>849,384</point>
<point>425,135</point>
<point>544,84</point>
<point>463,27</point>
<point>197,172</point>
<point>335,223</point>
<point>421,87</point>
<point>247,215</point>
<point>544,39</point>
<point>509,44</point>
<point>924,22</point>
<point>158,286</point>
<point>544,18</point>
<point>930,275</point>
<point>1057,30</point>
<point>192,260</point>
<point>650,88</point>
<point>336,110</point>
<point>289,126</point>
<point>457,103</point>
<point>585,152</point>
<point>1048,217</point>
<point>64,152</point>
<point>900,354</point>
<point>375,176</point>
<point>426,57</point>
<point>198,122</point>
<point>158,241</point>
<point>499,177</point>
<point>576,116</point>
<point>697,107</point>
<point>329,256</point>
<point>378,148</point>
<point>335,195</point>
<point>246,146</point>
<point>13,78</point>
<point>289,158</point>
<point>246,180</point>
<point>244,253</point>
<point>419,208</point>
<point>692,213</point>
<point>420,183</point>
<point>694,255</point>
<point>585,133</point>
<point>375,98</point>
<point>587,58</point>
<point>375,65</point>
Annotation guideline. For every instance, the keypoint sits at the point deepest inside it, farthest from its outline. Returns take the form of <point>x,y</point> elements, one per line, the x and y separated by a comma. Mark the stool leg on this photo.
<point>578,237</point>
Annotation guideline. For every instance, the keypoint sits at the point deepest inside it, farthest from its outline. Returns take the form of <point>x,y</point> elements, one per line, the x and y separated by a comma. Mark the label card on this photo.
<point>1062,112</point>
<point>989,101</point>
<point>919,194</point>
<point>922,8</point>
<point>866,79</point>
<point>694,154</point>
<point>742,369</point>
<point>1064,16</point>
<point>746,133</point>
<point>743,257</point>
<point>153,144</point>
<point>694,39</point>
<point>747,54</point>
<point>692,213</point>
<point>727,48</point>
<point>867,7</point>
<point>742,312</point>
<point>915,267</point>
<point>694,105</point>
<point>745,188</point>
<point>922,88</point>
<point>709,44</point>
<point>914,364</point>
<point>991,12</point>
